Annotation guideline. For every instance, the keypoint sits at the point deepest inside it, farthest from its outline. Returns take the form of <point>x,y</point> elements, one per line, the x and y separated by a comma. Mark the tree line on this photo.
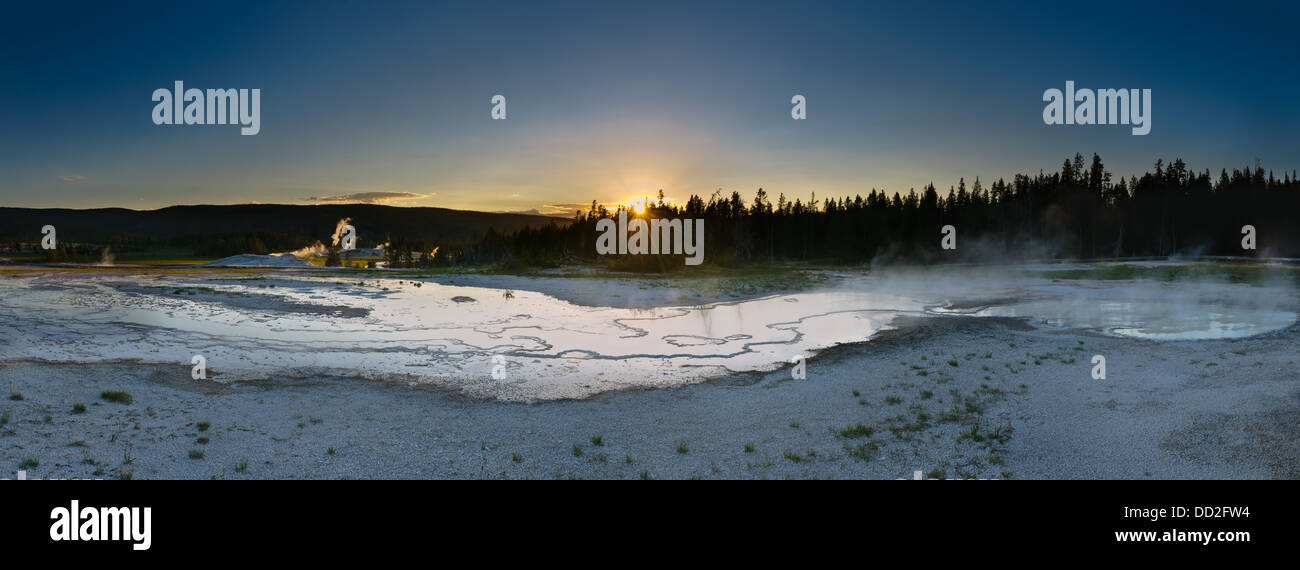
<point>1082,211</point>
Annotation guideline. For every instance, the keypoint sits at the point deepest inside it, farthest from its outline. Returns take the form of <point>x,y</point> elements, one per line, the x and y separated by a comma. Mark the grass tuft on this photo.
<point>856,431</point>
<point>116,396</point>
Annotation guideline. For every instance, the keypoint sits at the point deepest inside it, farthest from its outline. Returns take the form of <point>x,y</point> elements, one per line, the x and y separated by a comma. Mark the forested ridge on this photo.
<point>1081,211</point>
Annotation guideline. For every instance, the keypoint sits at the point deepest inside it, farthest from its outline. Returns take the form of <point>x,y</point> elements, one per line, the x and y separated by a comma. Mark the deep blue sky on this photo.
<point>613,100</point>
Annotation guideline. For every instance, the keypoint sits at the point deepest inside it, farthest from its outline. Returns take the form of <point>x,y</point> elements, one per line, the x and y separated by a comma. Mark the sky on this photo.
<point>391,102</point>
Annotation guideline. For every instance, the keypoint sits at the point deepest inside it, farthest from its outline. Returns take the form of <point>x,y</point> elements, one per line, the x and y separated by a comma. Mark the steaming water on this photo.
<point>540,347</point>
<point>1158,320</point>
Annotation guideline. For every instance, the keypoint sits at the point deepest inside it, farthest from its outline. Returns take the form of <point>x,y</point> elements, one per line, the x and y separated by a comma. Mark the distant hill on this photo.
<point>373,223</point>
<point>218,231</point>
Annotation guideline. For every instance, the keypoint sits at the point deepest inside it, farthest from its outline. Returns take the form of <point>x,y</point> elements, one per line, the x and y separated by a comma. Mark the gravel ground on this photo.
<point>952,397</point>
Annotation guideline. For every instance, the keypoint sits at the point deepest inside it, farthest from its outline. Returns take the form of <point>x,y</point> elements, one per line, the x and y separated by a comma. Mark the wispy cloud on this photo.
<point>536,212</point>
<point>565,210</point>
<point>551,210</point>
<point>369,197</point>
<point>72,177</point>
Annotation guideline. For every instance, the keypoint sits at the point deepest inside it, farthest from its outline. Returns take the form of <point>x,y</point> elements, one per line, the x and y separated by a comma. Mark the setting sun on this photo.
<point>637,206</point>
